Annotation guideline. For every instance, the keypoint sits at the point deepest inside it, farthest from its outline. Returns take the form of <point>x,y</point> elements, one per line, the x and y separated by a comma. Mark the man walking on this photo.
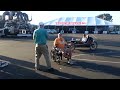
<point>40,37</point>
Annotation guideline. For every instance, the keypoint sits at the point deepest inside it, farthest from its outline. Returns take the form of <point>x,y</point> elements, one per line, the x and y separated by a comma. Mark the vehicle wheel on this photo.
<point>68,59</point>
<point>52,56</point>
<point>93,46</point>
<point>72,47</point>
<point>58,61</point>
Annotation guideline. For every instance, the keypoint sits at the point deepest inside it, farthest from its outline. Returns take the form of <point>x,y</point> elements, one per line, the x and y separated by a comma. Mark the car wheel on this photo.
<point>93,46</point>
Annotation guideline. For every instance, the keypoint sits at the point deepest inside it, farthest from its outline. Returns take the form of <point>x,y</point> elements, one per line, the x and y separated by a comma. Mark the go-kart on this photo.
<point>57,54</point>
<point>90,43</point>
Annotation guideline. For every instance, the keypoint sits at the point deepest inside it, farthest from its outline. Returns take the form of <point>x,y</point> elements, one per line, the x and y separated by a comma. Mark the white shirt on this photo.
<point>84,39</point>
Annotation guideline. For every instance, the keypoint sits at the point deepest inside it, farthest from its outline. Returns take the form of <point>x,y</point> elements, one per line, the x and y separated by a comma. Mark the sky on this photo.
<point>45,16</point>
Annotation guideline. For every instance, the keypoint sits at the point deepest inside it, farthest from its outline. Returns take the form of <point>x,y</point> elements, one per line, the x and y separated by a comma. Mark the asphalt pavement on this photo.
<point>103,63</point>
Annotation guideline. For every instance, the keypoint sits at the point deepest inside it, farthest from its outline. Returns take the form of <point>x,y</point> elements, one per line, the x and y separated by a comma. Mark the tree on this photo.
<point>106,17</point>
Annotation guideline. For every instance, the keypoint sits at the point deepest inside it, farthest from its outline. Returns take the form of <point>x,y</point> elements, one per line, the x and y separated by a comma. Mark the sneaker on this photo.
<point>3,64</point>
<point>50,70</point>
<point>36,69</point>
<point>70,62</point>
<point>53,60</point>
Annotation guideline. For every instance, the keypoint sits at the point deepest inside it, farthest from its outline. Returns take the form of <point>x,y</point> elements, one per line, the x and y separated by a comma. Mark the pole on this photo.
<point>95,28</point>
<point>62,27</point>
<point>55,27</point>
<point>62,30</point>
<point>74,30</point>
<point>86,28</point>
<point>119,27</point>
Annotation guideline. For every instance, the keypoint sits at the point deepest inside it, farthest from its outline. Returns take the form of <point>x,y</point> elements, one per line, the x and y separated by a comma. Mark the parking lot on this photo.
<point>103,63</point>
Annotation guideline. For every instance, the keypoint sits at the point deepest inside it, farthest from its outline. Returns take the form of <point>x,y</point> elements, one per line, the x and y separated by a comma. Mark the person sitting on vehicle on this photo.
<point>60,43</point>
<point>89,39</point>
<point>84,38</point>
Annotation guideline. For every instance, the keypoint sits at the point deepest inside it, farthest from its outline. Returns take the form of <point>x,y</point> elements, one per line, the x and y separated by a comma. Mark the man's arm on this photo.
<point>55,43</point>
<point>33,35</point>
<point>64,41</point>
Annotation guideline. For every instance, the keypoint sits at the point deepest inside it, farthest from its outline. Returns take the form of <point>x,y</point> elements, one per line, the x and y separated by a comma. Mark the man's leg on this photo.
<point>37,57</point>
<point>46,56</point>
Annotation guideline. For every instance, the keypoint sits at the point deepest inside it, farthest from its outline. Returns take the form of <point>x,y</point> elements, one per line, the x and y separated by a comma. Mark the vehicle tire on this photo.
<point>93,46</point>
<point>72,46</point>
<point>52,56</point>
<point>59,60</point>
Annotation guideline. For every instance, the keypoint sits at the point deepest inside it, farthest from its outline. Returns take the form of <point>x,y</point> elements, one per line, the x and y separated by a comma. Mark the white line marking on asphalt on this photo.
<point>96,61</point>
<point>94,36</point>
<point>78,55</point>
<point>92,53</point>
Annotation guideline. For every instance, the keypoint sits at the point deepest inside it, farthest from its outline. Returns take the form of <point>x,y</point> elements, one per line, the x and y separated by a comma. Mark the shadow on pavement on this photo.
<point>100,52</point>
<point>19,72</point>
<point>95,67</point>
<point>63,75</point>
<point>109,43</point>
<point>20,69</point>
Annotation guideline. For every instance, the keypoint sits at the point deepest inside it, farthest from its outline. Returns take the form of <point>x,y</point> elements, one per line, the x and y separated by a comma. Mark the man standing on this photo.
<point>40,37</point>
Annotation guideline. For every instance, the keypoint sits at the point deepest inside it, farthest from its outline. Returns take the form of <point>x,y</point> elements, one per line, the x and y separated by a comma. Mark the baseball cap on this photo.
<point>59,33</point>
<point>41,23</point>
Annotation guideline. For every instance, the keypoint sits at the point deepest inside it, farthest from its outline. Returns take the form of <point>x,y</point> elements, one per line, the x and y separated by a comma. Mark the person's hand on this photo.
<point>55,46</point>
<point>47,46</point>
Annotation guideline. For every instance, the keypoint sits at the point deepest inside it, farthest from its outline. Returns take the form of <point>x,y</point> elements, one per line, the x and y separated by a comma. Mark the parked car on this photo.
<point>113,32</point>
<point>53,31</point>
<point>48,30</point>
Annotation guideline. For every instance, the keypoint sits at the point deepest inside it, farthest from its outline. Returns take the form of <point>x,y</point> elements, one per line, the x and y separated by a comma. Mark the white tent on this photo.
<point>116,23</point>
<point>79,21</point>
